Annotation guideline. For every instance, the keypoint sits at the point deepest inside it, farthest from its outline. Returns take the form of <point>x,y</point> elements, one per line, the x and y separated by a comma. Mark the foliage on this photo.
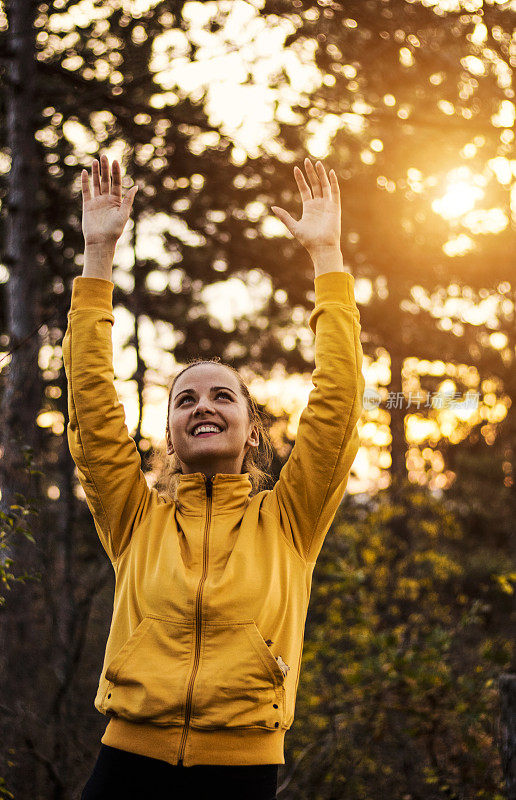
<point>398,693</point>
<point>4,791</point>
<point>14,524</point>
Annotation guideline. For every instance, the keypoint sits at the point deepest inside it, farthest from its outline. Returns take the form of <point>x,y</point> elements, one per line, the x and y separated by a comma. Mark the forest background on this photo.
<point>208,106</point>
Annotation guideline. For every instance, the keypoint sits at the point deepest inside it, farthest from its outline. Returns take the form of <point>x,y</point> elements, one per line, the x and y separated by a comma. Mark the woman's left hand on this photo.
<point>319,227</point>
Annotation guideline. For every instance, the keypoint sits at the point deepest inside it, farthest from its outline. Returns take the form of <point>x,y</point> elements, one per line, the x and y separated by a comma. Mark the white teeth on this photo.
<point>206,429</point>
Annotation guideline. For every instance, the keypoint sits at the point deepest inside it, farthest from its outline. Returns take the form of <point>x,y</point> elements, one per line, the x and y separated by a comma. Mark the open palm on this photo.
<point>320,223</point>
<point>104,213</point>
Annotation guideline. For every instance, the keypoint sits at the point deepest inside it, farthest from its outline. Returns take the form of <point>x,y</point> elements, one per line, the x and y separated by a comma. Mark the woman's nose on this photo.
<point>204,405</point>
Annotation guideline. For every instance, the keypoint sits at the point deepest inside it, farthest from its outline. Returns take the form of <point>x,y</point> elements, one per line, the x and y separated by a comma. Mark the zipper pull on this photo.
<point>283,667</point>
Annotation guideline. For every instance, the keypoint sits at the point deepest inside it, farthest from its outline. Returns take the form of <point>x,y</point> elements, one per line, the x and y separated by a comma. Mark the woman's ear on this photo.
<point>254,437</point>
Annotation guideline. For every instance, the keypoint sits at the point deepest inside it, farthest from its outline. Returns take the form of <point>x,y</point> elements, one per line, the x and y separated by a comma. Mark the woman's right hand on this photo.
<point>104,213</point>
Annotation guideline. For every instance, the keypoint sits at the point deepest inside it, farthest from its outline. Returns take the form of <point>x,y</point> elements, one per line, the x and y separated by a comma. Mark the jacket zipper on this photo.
<point>198,621</point>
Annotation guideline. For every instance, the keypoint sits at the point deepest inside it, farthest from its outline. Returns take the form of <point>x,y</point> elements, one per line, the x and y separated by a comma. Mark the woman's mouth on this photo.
<point>205,430</point>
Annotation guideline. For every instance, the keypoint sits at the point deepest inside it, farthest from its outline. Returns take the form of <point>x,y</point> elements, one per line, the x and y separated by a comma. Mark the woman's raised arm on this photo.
<point>312,483</point>
<point>107,459</point>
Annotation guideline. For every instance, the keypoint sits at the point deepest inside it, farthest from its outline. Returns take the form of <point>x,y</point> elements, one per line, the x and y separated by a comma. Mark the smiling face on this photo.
<point>209,396</point>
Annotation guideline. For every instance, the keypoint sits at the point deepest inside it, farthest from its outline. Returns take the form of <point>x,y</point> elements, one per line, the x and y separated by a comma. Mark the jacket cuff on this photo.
<point>335,287</point>
<point>92,293</point>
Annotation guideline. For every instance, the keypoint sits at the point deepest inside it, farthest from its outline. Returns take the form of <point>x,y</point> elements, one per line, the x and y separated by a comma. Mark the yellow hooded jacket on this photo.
<point>211,593</point>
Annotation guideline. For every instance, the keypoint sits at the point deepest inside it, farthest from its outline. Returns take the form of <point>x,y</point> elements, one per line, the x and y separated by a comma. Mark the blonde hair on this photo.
<point>256,461</point>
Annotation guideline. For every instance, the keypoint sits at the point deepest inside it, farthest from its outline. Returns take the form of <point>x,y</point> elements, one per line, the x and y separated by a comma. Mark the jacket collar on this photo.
<point>229,492</point>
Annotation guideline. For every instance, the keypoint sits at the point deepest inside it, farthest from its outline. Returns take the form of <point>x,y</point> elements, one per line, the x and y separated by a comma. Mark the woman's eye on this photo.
<point>219,394</point>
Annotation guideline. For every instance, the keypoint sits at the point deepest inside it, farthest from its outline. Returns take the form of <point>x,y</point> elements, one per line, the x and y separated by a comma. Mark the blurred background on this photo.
<point>208,106</point>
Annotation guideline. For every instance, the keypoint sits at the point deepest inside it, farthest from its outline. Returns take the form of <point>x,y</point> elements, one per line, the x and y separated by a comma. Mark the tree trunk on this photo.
<point>507,686</point>
<point>397,411</point>
<point>20,382</point>
<point>21,379</point>
<point>134,305</point>
<point>510,428</point>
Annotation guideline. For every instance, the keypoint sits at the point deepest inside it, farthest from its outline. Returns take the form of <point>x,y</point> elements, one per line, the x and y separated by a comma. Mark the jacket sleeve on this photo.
<point>312,482</point>
<point>107,459</point>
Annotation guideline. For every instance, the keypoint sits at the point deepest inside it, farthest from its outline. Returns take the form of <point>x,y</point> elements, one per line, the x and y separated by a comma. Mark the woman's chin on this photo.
<point>206,450</point>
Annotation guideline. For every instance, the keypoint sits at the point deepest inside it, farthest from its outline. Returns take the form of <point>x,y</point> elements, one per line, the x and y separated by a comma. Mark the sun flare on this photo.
<point>460,196</point>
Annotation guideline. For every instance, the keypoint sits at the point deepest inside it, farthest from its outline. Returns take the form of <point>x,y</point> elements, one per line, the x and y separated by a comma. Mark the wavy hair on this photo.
<point>256,461</point>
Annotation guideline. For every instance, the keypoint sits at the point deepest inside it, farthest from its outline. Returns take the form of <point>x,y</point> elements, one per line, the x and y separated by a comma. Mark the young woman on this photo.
<point>203,657</point>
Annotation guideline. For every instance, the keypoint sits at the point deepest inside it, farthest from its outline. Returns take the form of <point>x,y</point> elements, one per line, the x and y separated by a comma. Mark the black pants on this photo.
<point>120,775</point>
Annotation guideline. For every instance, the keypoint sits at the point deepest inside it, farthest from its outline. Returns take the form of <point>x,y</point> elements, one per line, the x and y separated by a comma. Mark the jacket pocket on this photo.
<point>147,677</point>
<point>240,683</point>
